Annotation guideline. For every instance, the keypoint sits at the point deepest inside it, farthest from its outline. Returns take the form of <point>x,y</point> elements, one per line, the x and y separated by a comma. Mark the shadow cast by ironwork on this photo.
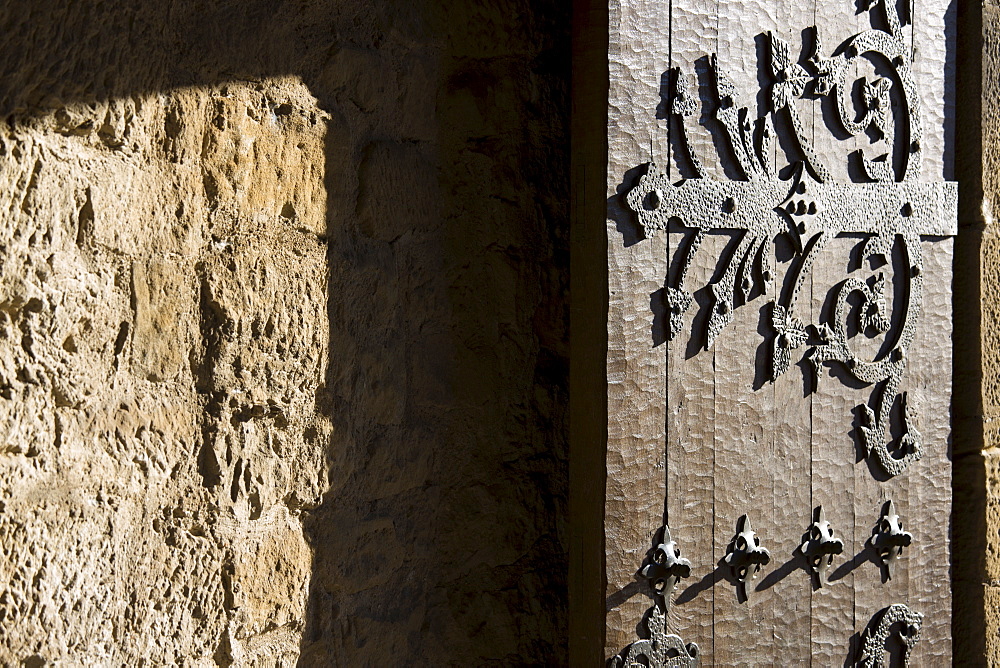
<point>866,555</point>
<point>708,581</point>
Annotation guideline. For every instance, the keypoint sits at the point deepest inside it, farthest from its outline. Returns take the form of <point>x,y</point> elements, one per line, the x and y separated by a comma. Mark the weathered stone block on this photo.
<point>163,299</point>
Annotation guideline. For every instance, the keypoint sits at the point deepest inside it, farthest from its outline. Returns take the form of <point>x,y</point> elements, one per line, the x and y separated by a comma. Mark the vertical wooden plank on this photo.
<point>691,482</point>
<point>927,561</point>
<point>743,450</point>
<point>792,501</point>
<point>930,357</point>
<point>934,34</point>
<point>691,379</point>
<point>743,485</point>
<point>832,402</point>
<point>791,418</point>
<point>873,489</point>
<point>833,456</point>
<point>792,423</point>
<point>635,488</point>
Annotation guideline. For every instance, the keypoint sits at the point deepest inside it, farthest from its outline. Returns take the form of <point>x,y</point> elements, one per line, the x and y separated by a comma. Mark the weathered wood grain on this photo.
<point>691,381</point>
<point>691,483</point>
<point>743,447</point>
<point>638,52</point>
<point>695,437</point>
<point>635,489</point>
<point>792,419</point>
<point>929,586</point>
<point>792,500</point>
<point>833,455</point>
<point>934,33</point>
<point>742,486</point>
<point>832,402</point>
<point>929,369</point>
<point>872,489</point>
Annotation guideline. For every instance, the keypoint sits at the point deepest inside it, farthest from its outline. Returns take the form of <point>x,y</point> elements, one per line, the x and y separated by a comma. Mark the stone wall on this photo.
<point>976,516</point>
<point>283,332</point>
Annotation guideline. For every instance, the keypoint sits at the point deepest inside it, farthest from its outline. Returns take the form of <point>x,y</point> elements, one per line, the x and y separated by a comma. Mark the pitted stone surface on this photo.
<point>166,337</point>
<point>282,329</point>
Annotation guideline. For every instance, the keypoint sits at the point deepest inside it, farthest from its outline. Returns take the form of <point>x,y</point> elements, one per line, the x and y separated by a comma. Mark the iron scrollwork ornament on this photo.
<point>878,634</point>
<point>893,210</point>
<point>663,569</point>
<point>888,538</point>
<point>819,546</point>
<point>745,556</point>
<point>660,650</point>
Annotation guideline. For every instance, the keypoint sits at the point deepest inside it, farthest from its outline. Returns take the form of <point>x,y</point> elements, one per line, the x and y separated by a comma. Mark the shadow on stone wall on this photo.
<point>441,536</point>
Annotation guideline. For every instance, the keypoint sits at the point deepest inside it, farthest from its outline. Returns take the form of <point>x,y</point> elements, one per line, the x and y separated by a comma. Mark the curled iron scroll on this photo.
<point>660,650</point>
<point>878,634</point>
<point>663,568</point>
<point>893,210</point>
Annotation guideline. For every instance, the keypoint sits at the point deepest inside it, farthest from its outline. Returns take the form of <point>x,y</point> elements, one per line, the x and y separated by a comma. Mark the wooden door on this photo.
<point>779,356</point>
